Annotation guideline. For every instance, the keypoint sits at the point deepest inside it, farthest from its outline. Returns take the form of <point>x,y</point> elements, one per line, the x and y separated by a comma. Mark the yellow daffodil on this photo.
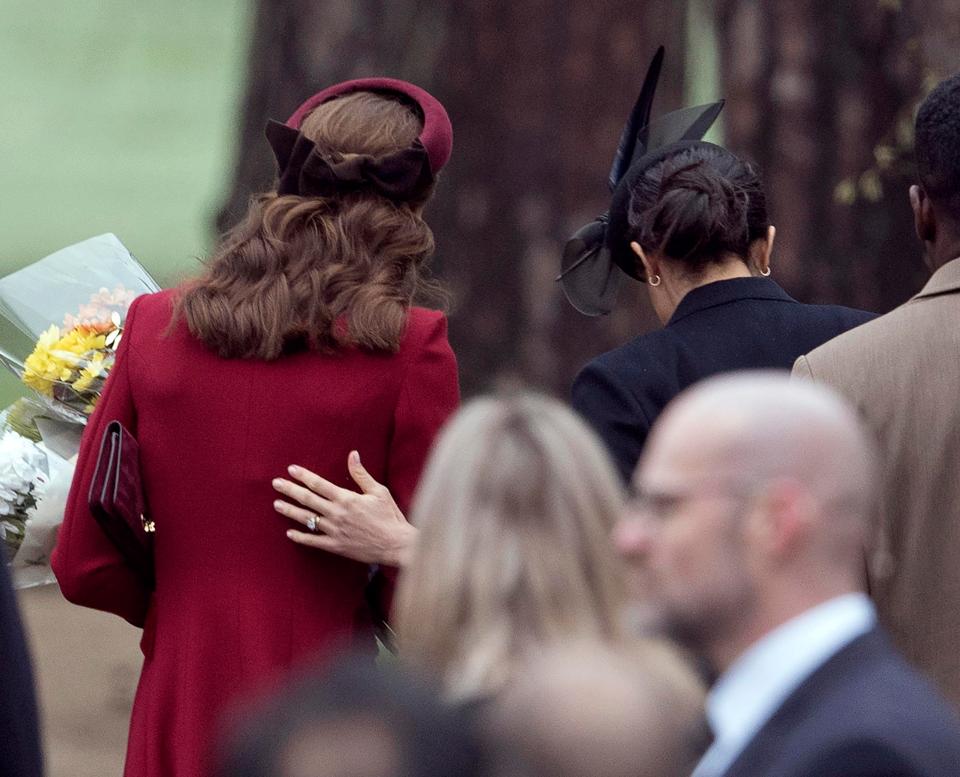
<point>76,357</point>
<point>41,369</point>
<point>94,369</point>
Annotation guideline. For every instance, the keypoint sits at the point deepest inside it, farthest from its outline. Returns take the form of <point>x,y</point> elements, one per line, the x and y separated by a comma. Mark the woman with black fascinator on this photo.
<point>689,219</point>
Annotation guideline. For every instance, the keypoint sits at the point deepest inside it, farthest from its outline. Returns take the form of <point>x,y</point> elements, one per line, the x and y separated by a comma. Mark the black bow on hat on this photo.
<point>303,170</point>
<point>596,257</point>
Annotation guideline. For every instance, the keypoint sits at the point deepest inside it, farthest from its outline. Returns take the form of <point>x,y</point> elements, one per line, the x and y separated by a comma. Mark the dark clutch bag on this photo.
<point>117,502</point>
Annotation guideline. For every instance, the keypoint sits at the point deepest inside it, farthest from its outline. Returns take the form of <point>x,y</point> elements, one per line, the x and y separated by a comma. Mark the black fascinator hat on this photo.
<point>598,255</point>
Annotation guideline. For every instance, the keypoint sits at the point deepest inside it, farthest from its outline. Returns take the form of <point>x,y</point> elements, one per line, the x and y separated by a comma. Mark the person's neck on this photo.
<point>765,619</point>
<point>943,254</point>
<point>725,271</point>
<point>678,285</point>
<point>945,246</point>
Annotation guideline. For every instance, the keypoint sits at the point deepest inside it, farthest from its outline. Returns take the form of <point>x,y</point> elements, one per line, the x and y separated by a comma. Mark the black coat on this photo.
<point>19,732</point>
<point>738,324</point>
<point>864,713</point>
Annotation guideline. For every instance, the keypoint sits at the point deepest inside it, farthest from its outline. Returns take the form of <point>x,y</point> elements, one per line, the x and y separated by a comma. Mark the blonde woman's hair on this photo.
<point>515,511</point>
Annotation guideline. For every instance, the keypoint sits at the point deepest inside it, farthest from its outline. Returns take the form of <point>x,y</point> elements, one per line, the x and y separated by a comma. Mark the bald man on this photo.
<point>746,534</point>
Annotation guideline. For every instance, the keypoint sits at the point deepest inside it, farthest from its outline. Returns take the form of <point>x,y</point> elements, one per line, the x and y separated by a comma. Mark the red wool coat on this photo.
<point>238,606</point>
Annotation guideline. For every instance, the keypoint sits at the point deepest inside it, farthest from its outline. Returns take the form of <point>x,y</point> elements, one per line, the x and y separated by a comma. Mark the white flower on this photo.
<point>22,472</point>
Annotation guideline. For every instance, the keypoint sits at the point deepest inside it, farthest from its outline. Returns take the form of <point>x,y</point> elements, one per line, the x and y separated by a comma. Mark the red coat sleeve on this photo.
<point>90,570</point>
<point>429,395</point>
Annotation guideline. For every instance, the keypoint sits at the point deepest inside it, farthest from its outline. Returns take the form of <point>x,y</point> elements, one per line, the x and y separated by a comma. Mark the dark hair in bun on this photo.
<point>697,206</point>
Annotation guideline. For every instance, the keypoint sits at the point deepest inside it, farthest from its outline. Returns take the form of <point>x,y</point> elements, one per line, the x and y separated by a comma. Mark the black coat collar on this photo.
<point>721,292</point>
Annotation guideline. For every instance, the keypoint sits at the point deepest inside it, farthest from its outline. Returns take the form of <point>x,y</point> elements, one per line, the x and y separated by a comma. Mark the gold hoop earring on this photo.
<point>765,272</point>
<point>654,280</point>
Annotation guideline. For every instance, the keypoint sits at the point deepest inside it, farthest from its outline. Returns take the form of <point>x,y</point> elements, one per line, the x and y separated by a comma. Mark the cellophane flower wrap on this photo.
<point>71,306</point>
<point>63,319</point>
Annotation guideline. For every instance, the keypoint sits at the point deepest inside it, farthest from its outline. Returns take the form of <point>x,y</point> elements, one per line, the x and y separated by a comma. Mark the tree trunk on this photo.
<point>822,94</point>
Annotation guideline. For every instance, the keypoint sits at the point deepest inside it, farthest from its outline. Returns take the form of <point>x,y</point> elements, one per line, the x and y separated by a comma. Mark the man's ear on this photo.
<point>651,266</point>
<point>924,219</point>
<point>782,518</point>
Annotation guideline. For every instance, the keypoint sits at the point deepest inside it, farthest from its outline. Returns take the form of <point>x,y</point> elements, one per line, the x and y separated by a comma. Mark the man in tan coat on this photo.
<point>902,371</point>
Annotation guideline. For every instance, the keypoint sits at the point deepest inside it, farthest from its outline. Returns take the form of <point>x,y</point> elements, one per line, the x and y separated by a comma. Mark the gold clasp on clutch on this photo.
<point>148,526</point>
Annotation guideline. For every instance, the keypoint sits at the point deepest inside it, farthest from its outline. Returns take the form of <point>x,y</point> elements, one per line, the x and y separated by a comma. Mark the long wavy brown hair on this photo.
<point>320,272</point>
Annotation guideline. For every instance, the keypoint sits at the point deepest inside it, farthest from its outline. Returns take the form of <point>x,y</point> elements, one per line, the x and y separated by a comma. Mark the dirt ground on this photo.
<point>86,665</point>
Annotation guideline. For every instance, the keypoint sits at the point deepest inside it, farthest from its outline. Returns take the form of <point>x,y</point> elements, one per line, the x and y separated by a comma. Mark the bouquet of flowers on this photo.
<point>67,313</point>
<point>72,305</point>
<point>70,365</point>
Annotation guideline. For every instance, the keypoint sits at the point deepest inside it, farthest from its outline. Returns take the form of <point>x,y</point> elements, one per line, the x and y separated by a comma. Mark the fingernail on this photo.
<point>276,504</point>
<point>290,533</point>
<point>277,482</point>
<point>293,469</point>
<point>355,457</point>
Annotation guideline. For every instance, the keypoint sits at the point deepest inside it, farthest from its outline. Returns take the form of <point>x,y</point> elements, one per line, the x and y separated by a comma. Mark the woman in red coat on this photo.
<point>299,341</point>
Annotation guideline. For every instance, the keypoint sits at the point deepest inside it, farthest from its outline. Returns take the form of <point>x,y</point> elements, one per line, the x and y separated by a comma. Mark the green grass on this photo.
<point>118,116</point>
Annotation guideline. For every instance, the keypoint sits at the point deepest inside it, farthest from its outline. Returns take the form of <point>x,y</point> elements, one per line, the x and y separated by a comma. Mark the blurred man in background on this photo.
<point>752,504</point>
<point>901,371</point>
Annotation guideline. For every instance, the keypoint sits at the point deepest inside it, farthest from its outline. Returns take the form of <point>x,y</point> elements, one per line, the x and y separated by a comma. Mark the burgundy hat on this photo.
<point>437,134</point>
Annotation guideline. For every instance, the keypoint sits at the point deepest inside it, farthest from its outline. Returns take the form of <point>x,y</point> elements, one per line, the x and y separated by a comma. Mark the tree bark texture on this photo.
<point>823,94</point>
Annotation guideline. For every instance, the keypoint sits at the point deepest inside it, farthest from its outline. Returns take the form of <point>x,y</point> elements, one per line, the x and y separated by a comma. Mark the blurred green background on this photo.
<point>119,117</point>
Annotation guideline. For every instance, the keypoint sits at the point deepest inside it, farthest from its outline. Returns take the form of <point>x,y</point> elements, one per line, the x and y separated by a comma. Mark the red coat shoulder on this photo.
<point>423,322</point>
<point>426,331</point>
<point>153,309</point>
<point>148,318</point>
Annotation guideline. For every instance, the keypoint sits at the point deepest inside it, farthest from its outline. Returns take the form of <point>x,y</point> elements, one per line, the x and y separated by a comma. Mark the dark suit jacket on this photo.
<point>19,732</point>
<point>864,713</point>
<point>739,324</point>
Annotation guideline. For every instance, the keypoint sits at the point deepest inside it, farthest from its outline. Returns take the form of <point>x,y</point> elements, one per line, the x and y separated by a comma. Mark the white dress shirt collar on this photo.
<point>752,689</point>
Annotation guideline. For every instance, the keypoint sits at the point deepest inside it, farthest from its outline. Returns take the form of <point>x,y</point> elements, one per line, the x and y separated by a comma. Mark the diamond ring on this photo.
<point>313,523</point>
